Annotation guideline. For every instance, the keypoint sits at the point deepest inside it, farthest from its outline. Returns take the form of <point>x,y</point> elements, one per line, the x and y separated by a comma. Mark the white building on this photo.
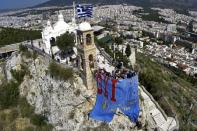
<point>51,32</point>
<point>171,28</point>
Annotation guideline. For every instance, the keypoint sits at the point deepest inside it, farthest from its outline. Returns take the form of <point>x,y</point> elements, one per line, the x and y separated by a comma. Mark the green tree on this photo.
<point>128,50</point>
<point>190,26</point>
<point>65,41</point>
<point>118,40</point>
<point>11,35</point>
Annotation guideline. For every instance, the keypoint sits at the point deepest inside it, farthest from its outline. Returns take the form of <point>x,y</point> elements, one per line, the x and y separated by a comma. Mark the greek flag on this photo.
<point>84,10</point>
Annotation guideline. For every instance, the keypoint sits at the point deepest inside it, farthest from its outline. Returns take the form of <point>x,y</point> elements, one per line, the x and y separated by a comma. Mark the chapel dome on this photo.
<point>85,26</point>
<point>61,24</point>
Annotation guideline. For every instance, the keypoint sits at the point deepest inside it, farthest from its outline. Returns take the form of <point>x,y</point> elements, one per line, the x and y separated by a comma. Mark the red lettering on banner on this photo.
<point>106,84</point>
<point>99,80</point>
<point>114,81</point>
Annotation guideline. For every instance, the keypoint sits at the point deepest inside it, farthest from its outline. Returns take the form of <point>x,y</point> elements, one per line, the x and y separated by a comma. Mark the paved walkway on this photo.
<point>9,48</point>
<point>15,47</point>
<point>154,113</point>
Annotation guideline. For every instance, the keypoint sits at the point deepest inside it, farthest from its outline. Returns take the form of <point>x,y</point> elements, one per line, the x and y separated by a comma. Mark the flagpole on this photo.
<point>74,15</point>
<point>74,12</point>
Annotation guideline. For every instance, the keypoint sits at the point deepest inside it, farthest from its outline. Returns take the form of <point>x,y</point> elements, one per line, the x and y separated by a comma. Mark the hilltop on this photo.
<point>46,97</point>
<point>181,4</point>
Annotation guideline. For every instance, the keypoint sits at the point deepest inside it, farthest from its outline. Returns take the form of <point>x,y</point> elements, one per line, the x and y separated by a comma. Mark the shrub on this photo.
<point>22,48</point>
<point>77,92</point>
<point>48,127</point>
<point>38,120</point>
<point>35,55</point>
<point>19,74</point>
<point>13,114</point>
<point>1,125</point>
<point>9,94</point>
<point>24,51</point>
<point>59,72</point>
<point>25,108</point>
<point>72,114</point>
<point>30,128</point>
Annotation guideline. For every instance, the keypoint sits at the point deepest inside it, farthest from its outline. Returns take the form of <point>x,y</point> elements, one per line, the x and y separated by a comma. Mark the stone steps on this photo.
<point>159,119</point>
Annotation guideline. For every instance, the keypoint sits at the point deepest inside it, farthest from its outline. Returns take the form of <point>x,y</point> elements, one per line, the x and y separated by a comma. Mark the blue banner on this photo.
<point>84,10</point>
<point>113,94</point>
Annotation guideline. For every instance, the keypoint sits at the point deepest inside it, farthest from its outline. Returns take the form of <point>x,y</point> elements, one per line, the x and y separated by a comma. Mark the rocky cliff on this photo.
<point>66,104</point>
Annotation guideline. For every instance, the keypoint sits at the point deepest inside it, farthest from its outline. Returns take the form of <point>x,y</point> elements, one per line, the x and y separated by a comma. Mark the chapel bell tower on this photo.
<point>86,53</point>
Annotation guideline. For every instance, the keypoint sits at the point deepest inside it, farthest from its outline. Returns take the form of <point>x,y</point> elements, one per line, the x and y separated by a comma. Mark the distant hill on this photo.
<point>4,10</point>
<point>177,4</point>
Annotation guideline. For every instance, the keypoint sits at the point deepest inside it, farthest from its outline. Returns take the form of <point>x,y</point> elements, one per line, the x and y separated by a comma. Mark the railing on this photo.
<point>41,52</point>
<point>105,55</point>
<point>153,100</point>
<point>38,50</point>
<point>160,109</point>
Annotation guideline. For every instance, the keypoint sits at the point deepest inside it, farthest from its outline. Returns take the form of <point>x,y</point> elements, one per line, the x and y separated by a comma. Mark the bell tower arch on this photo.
<point>86,53</point>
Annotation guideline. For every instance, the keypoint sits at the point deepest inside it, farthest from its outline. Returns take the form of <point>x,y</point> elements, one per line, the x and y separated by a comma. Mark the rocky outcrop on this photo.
<point>66,104</point>
<point>12,63</point>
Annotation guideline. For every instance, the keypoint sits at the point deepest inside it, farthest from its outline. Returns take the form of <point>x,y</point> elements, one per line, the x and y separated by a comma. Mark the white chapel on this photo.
<point>51,32</point>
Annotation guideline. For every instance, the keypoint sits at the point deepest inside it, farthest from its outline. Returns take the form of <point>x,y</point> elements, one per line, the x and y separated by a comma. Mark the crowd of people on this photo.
<point>117,73</point>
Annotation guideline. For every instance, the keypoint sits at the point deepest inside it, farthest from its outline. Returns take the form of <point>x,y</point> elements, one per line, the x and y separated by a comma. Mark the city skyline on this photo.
<point>69,66</point>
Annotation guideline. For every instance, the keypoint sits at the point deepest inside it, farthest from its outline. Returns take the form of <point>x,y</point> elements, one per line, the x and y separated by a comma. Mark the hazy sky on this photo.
<point>4,4</point>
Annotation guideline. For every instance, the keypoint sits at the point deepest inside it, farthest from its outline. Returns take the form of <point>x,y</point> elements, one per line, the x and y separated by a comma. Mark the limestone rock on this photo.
<point>66,104</point>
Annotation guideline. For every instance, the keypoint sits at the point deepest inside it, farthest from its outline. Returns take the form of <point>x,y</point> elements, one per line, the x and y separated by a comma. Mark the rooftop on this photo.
<point>85,26</point>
